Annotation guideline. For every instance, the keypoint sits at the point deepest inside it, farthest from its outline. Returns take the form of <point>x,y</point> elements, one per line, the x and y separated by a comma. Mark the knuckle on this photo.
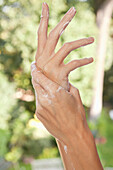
<point>74,62</point>
<point>51,34</point>
<point>44,17</point>
<point>66,45</point>
<point>77,90</point>
<point>54,33</point>
<point>46,68</point>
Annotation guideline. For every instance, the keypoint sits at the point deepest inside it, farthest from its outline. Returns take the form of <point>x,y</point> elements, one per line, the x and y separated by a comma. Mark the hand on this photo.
<point>59,110</point>
<point>52,64</point>
<point>63,116</point>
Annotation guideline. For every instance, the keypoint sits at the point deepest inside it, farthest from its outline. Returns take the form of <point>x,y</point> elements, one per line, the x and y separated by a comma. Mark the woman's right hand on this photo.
<point>59,110</point>
<point>50,63</point>
<point>63,115</point>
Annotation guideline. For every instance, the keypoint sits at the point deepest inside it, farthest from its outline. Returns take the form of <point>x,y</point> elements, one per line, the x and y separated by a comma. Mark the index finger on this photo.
<point>43,27</point>
<point>55,34</point>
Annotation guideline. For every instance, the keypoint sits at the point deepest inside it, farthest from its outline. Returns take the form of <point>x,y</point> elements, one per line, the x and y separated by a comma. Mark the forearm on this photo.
<point>82,152</point>
<point>64,156</point>
<point>69,125</point>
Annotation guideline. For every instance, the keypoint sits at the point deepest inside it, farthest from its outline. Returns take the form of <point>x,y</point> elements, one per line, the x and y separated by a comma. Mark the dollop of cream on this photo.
<point>59,88</point>
<point>65,149</point>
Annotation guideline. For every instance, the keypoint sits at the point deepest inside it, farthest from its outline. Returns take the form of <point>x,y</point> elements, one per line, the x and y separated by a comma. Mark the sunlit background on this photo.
<point>23,139</point>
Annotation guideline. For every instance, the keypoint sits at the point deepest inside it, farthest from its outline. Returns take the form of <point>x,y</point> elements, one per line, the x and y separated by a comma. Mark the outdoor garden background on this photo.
<point>22,136</point>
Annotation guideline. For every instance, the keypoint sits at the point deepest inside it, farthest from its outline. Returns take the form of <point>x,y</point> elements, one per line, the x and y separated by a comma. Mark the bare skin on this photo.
<point>62,113</point>
<point>50,63</point>
<point>52,66</point>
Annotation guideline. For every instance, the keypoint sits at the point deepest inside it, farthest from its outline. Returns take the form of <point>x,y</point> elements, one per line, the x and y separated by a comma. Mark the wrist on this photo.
<point>80,139</point>
<point>82,148</point>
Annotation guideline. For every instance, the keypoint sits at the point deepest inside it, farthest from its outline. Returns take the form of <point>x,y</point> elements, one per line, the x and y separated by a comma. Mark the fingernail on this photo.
<point>89,58</point>
<point>43,6</point>
<point>71,10</point>
<point>45,11</point>
<point>91,39</point>
<point>44,3</point>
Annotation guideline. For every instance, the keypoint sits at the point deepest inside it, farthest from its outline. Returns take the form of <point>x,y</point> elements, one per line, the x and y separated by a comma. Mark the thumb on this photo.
<point>75,92</point>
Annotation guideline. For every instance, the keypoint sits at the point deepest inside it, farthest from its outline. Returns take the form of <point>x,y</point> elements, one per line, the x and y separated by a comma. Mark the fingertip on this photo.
<point>74,9</point>
<point>46,5</point>
<point>45,10</point>
<point>91,59</point>
<point>92,39</point>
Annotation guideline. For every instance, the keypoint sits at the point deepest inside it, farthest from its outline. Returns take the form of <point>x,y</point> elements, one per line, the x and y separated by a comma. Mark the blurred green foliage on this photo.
<point>108,87</point>
<point>49,153</point>
<point>4,138</point>
<point>18,41</point>
<point>104,128</point>
<point>21,165</point>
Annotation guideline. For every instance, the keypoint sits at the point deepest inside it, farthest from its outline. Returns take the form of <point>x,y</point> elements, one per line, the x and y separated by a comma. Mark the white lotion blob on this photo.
<point>65,149</point>
<point>60,88</point>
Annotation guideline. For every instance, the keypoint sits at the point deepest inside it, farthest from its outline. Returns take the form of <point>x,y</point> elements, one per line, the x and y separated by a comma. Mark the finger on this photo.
<point>76,63</point>
<point>57,31</point>
<point>42,80</point>
<point>75,92</point>
<point>39,90</point>
<point>42,98</point>
<point>43,27</point>
<point>68,47</point>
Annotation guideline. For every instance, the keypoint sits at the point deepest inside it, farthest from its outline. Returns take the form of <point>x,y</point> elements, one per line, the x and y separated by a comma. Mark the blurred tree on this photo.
<point>6,104</point>
<point>24,17</point>
<point>19,23</point>
<point>103,13</point>
<point>108,88</point>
